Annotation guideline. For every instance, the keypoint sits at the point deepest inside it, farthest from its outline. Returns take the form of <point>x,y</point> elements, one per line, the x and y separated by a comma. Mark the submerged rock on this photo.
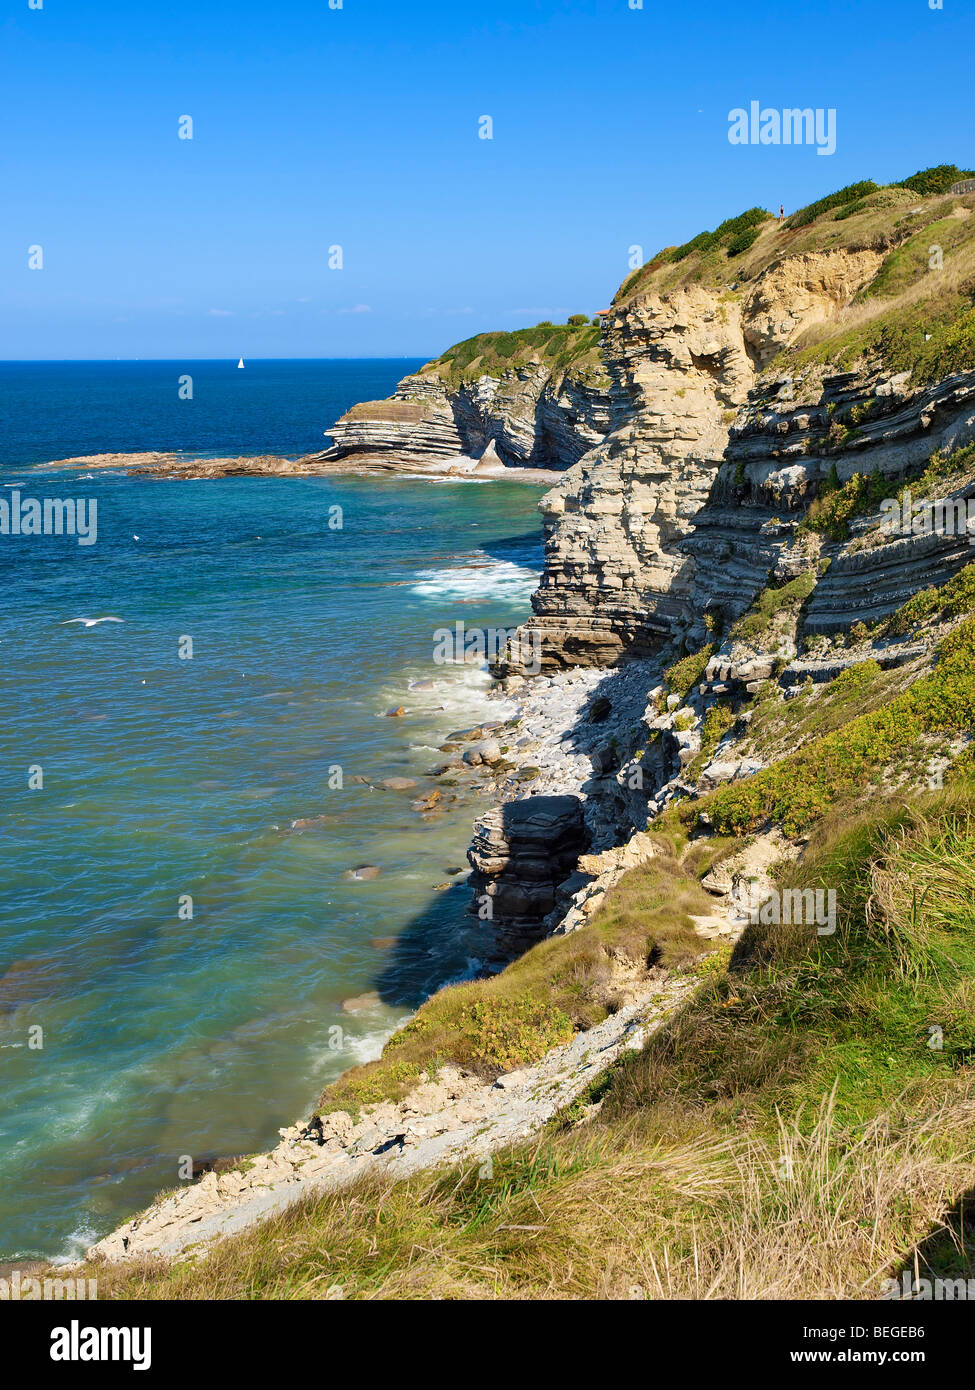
<point>363,873</point>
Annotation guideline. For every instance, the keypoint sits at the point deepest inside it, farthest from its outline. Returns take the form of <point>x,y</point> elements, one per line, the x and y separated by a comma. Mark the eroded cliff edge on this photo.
<point>536,398</point>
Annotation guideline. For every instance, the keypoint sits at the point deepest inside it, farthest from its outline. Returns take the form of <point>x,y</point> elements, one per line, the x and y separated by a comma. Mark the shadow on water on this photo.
<point>428,953</point>
<point>525,549</point>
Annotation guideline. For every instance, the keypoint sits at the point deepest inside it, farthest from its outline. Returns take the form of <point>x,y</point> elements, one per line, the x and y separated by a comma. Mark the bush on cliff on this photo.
<point>684,675</point>
<point>935,180</point>
<point>951,600</point>
<point>850,194</point>
<point>832,510</point>
<point>788,599</point>
<point>729,231</point>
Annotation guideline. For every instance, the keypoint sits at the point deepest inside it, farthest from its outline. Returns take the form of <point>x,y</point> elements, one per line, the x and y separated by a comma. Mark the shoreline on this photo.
<point>463,702</point>
<point>455,1114</point>
<point>190,467</point>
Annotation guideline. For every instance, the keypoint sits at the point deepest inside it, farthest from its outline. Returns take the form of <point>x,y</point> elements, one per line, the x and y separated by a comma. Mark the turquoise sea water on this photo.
<point>165,777</point>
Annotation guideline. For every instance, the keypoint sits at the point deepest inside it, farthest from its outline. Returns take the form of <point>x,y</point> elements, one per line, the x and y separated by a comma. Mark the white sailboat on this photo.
<point>240,363</point>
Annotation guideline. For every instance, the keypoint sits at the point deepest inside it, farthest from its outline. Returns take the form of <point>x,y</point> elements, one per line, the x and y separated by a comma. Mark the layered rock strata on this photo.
<point>691,502</point>
<point>522,850</point>
<point>526,417</point>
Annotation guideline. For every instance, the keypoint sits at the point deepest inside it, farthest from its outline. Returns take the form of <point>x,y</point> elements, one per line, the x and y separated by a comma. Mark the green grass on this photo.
<point>936,180</point>
<point>685,674</point>
<point>756,625</point>
<point>735,234</point>
<point>563,984</point>
<point>558,346</point>
<point>948,601</point>
<point>798,790</point>
<point>788,1133</point>
<point>836,504</point>
<point>852,193</point>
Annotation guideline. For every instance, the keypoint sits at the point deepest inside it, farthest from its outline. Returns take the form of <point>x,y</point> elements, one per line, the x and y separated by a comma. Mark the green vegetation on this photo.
<point>788,600</point>
<point>572,344</point>
<point>949,601</point>
<point>541,999</point>
<point>718,720</point>
<point>801,1123</point>
<point>831,511</point>
<point>799,790</point>
<point>936,180</point>
<point>732,231</point>
<point>908,264</point>
<point>796,1130</point>
<point>779,727</point>
<point>926,183</point>
<point>850,194</point>
<point>915,315</point>
<point>682,677</point>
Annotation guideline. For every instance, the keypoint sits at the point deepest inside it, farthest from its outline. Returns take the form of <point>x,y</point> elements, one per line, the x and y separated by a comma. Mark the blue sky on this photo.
<point>358,127</point>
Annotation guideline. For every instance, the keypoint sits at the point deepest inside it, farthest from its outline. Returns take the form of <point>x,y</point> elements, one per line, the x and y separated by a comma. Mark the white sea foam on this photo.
<point>490,579</point>
<point>76,1244</point>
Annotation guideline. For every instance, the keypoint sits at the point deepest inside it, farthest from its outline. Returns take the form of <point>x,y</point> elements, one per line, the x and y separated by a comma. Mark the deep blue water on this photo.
<point>52,410</point>
<point>165,777</point>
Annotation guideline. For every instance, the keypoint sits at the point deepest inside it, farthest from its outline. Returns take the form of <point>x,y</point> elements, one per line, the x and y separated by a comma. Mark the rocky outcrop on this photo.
<point>522,850</point>
<point>451,1117</point>
<point>693,500</point>
<point>797,291</point>
<point>615,578</point>
<point>785,443</point>
<point>530,416</point>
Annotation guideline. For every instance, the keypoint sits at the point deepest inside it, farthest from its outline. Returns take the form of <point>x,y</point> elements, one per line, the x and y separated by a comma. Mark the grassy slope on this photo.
<point>800,1128</point>
<point>791,1133</point>
<point>891,317</point>
<point>564,348</point>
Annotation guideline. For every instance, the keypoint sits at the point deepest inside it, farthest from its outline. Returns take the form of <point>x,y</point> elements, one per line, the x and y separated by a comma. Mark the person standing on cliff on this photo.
<point>782,212</point>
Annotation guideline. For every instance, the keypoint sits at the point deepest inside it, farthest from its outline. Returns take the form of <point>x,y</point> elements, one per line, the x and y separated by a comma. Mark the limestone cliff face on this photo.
<point>691,502</point>
<point>783,446</point>
<point>615,577</point>
<point>529,416</point>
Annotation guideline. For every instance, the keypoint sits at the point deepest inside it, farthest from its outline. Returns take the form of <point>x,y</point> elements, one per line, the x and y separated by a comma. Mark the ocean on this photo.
<point>174,952</point>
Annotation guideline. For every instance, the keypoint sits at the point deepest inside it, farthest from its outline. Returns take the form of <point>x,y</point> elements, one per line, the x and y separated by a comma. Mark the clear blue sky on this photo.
<point>358,127</point>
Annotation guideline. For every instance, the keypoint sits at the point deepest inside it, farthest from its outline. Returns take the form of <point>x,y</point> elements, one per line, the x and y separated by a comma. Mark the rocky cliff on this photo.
<point>537,398</point>
<point>731,418</point>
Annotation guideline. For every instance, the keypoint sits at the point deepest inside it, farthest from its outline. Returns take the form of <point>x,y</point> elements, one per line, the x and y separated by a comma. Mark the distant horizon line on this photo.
<point>392,357</point>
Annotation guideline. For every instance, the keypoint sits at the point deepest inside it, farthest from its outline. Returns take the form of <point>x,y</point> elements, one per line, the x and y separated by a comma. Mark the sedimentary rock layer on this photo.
<point>526,417</point>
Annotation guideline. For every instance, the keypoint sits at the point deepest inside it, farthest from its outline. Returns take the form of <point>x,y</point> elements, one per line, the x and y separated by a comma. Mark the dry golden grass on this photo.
<point>827,1213</point>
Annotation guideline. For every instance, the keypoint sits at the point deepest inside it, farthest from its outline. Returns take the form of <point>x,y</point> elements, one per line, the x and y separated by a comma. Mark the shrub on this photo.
<point>800,789</point>
<point>951,600</point>
<point>718,720</point>
<point>935,180</point>
<point>830,513</point>
<point>850,194</point>
<point>689,671</point>
<point>724,234</point>
<point>742,241</point>
<point>770,602</point>
<point>507,1033</point>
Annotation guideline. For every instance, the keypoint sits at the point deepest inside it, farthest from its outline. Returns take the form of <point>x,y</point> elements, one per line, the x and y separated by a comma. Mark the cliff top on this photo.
<point>914,313</point>
<point>558,347</point>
